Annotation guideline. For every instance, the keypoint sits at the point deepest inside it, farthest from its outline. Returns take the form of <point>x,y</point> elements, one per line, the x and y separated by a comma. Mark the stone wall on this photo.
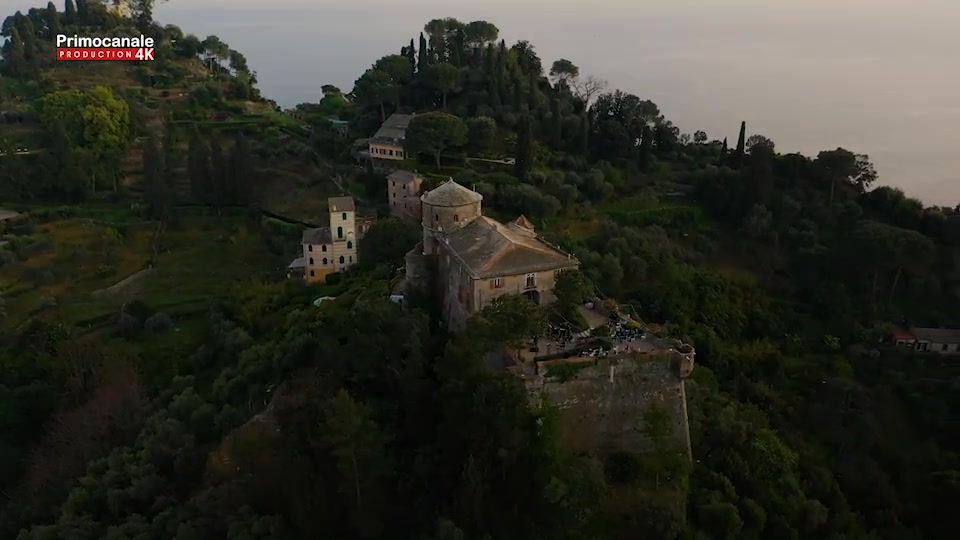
<point>602,405</point>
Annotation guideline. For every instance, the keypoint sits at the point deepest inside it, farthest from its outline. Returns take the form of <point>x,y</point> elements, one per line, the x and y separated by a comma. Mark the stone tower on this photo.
<point>343,232</point>
<point>446,209</point>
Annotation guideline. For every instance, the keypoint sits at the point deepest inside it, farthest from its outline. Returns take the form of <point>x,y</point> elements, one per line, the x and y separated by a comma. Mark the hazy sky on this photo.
<point>879,77</point>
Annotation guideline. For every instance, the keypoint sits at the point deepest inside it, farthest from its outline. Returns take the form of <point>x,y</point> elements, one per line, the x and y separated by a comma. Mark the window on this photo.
<point>311,260</point>
<point>341,259</point>
<point>310,247</point>
<point>339,232</point>
<point>349,244</point>
<point>531,280</point>
<point>351,258</point>
<point>456,217</point>
<point>943,347</point>
<point>344,217</point>
<point>311,273</point>
<point>496,283</point>
<point>436,217</point>
<point>324,260</point>
<point>394,184</point>
<point>323,248</point>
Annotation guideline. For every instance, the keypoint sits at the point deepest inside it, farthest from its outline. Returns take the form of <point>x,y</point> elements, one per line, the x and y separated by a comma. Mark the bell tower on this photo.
<point>343,232</point>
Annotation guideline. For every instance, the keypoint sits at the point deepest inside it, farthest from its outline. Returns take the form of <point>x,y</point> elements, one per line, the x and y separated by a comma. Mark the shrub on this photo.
<point>159,323</point>
<point>48,302</point>
<point>6,257</point>
<point>334,278</point>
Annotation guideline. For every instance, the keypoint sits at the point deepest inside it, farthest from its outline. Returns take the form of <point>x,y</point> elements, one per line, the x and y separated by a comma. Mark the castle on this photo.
<point>472,259</point>
<point>333,248</point>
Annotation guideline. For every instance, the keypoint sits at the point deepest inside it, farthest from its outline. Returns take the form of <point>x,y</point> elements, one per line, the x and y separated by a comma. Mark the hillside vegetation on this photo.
<point>208,399</point>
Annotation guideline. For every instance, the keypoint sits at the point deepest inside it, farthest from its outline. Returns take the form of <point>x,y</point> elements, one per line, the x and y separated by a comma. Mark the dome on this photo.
<point>451,193</point>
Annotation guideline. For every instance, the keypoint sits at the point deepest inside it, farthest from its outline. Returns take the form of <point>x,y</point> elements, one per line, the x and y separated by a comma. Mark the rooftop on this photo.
<point>394,128</point>
<point>451,193</point>
<point>936,335</point>
<point>404,177</point>
<point>490,249</point>
<point>341,204</point>
<point>298,264</point>
<point>316,236</point>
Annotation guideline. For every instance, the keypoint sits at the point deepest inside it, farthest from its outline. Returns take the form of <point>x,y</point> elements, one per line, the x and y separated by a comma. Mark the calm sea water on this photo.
<point>881,77</point>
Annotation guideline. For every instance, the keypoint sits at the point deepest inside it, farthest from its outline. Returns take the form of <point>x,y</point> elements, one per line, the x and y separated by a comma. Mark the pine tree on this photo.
<point>556,121</point>
<point>524,158</point>
<point>646,149</point>
<point>737,159</point>
<point>424,59</point>
<point>69,13</point>
<point>723,153</point>
<point>154,178</point>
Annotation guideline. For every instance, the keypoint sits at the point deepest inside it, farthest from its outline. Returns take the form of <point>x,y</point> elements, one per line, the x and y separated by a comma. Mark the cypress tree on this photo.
<point>219,181</point>
<point>489,62</point>
<point>533,98</point>
<point>241,171</point>
<point>198,167</point>
<point>53,19</point>
<point>83,12</point>
<point>723,153</point>
<point>737,159</point>
<point>646,149</point>
<point>458,45</point>
<point>28,34</point>
<point>524,158</point>
<point>517,94</point>
<point>154,178</point>
<point>556,121</point>
<point>424,59</point>
<point>15,59</point>
<point>411,53</point>
<point>584,135</point>
<point>69,13</point>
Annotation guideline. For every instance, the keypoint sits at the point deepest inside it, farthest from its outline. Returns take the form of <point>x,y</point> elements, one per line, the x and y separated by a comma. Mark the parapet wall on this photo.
<point>602,402</point>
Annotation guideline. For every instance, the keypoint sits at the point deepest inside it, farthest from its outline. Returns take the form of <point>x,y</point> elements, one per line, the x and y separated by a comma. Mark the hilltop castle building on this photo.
<point>333,248</point>
<point>472,259</point>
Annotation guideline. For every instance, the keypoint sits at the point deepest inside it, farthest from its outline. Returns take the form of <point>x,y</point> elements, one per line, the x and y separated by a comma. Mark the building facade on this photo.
<point>471,259</point>
<point>386,148</point>
<point>933,340</point>
<point>333,248</point>
<point>403,194</point>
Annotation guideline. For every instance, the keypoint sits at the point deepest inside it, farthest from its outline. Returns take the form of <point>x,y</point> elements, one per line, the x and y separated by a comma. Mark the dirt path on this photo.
<point>123,284</point>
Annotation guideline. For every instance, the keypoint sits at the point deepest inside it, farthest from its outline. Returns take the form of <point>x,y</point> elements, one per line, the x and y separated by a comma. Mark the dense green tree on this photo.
<point>533,91</point>
<point>14,55</point>
<point>375,88</point>
<point>481,133</point>
<point>387,241</point>
<point>53,20</point>
<point>69,13</point>
<point>435,132</point>
<point>524,153</point>
<point>480,33</point>
<point>852,170</point>
<point>646,147</point>
<point>563,71</point>
<point>556,121</point>
<point>444,78</point>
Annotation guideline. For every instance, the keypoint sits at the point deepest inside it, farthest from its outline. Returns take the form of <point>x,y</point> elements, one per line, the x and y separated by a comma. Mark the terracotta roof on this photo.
<point>522,221</point>
<point>402,176</point>
<point>490,249</point>
<point>900,333</point>
<point>936,335</point>
<point>451,193</point>
<point>316,236</point>
<point>341,204</point>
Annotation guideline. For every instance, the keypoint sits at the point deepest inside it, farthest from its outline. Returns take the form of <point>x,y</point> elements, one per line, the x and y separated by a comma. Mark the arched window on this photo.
<point>311,273</point>
<point>323,248</point>
<point>309,247</point>
<point>351,258</point>
<point>344,216</point>
<point>339,232</point>
<point>456,217</point>
<point>341,259</point>
<point>349,244</point>
<point>324,260</point>
<point>311,260</point>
